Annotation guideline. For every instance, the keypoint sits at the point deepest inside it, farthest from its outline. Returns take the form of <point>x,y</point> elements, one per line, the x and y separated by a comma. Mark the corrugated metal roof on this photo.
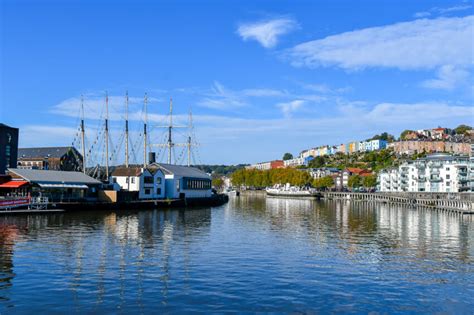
<point>36,176</point>
<point>53,152</point>
<point>180,170</point>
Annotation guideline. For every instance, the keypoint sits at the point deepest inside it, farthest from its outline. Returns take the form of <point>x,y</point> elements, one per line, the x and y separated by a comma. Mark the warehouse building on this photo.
<point>50,158</point>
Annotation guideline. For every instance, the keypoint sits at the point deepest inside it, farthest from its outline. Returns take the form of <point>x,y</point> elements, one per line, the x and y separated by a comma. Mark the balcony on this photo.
<point>421,178</point>
<point>463,179</point>
<point>435,172</point>
<point>435,179</point>
<point>462,172</point>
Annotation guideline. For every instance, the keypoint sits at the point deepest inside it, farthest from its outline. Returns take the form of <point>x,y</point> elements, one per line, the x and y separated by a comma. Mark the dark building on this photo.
<point>8,147</point>
<point>50,158</point>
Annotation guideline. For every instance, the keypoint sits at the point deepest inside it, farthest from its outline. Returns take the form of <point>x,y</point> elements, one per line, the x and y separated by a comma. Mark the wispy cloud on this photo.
<point>267,32</point>
<point>219,133</point>
<point>438,10</point>
<point>448,77</point>
<point>94,107</point>
<point>263,92</point>
<point>288,108</point>
<point>222,98</point>
<point>419,44</point>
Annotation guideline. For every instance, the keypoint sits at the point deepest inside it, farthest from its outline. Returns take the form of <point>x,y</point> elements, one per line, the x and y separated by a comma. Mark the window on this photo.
<point>158,180</point>
<point>133,180</point>
<point>448,183</point>
<point>447,176</point>
<point>158,191</point>
<point>148,180</point>
<point>126,180</point>
<point>447,168</point>
<point>147,191</point>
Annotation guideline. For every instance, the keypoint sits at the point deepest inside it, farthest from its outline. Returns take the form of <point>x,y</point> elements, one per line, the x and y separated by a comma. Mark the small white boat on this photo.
<point>292,192</point>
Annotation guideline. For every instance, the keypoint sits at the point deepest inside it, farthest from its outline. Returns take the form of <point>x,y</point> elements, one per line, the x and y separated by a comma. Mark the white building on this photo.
<point>184,182</point>
<point>148,183</point>
<point>294,162</point>
<point>323,172</point>
<point>435,173</point>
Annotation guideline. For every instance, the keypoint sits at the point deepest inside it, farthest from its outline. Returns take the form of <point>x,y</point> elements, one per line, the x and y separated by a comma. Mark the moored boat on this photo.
<point>292,192</point>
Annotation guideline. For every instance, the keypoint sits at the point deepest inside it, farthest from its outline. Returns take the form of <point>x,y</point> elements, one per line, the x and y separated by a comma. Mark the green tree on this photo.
<point>369,181</point>
<point>317,162</point>
<point>404,134</point>
<point>323,182</point>
<point>355,181</point>
<point>218,183</point>
<point>287,156</point>
<point>461,129</point>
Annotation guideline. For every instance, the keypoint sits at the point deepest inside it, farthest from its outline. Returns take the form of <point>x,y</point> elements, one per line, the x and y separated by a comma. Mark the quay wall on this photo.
<point>457,202</point>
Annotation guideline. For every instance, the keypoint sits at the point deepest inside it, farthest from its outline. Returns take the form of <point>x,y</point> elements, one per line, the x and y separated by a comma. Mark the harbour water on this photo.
<point>254,254</point>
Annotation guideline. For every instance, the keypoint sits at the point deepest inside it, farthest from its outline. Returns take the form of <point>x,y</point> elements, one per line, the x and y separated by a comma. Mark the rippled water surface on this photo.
<point>254,254</point>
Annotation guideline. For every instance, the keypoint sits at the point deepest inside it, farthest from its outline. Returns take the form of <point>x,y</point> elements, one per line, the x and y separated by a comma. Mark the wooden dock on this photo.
<point>451,202</point>
<point>30,211</point>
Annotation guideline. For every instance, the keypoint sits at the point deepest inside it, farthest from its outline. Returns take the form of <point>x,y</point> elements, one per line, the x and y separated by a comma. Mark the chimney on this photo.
<point>151,157</point>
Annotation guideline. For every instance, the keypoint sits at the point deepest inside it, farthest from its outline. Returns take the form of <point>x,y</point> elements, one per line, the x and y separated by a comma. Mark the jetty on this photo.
<point>452,202</point>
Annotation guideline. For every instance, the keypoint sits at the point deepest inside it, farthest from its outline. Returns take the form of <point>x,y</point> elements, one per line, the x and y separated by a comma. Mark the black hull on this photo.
<point>214,201</point>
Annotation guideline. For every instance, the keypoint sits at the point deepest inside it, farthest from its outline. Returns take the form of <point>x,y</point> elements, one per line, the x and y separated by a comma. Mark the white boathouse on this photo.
<point>149,183</point>
<point>184,182</point>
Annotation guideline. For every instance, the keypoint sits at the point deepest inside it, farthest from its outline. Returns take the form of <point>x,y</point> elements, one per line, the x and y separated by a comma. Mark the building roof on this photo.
<point>50,152</point>
<point>14,184</point>
<point>180,170</point>
<point>127,171</point>
<point>43,176</point>
<point>6,126</point>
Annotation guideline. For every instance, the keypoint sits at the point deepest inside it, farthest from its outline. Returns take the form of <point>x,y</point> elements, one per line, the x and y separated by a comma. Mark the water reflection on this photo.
<point>430,233</point>
<point>253,254</point>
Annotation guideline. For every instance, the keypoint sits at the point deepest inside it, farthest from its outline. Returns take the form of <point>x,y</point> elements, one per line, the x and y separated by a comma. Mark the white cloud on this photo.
<point>441,11</point>
<point>289,107</point>
<point>94,107</point>
<point>448,77</point>
<point>419,44</point>
<point>222,98</point>
<point>263,92</point>
<point>266,32</point>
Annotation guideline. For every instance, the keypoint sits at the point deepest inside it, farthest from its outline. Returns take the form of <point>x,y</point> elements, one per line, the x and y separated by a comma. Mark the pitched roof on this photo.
<point>53,152</point>
<point>43,176</point>
<point>127,171</point>
<point>179,170</point>
<point>359,171</point>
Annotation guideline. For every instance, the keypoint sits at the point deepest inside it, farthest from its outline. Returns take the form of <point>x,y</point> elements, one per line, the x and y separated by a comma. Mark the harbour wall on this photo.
<point>453,202</point>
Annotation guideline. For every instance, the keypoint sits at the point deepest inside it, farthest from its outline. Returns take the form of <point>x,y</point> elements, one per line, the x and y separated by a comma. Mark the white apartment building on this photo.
<point>294,162</point>
<point>435,173</point>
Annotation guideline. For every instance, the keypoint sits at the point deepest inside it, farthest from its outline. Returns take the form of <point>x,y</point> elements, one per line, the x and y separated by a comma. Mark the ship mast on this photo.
<point>169,145</point>
<point>126,129</point>
<point>106,136</point>
<point>83,136</point>
<point>145,103</point>
<point>189,137</point>
<point>170,142</point>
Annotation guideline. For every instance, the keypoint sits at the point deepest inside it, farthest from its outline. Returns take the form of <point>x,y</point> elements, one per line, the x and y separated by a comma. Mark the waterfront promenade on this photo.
<point>453,202</point>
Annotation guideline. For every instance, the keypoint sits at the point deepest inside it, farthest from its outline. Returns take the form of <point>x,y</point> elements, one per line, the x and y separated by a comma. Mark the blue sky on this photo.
<point>262,77</point>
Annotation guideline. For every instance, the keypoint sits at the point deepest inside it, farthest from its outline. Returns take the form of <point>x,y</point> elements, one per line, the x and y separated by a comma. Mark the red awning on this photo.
<point>14,184</point>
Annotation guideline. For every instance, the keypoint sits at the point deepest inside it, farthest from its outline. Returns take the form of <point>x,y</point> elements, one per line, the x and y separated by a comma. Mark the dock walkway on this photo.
<point>452,202</point>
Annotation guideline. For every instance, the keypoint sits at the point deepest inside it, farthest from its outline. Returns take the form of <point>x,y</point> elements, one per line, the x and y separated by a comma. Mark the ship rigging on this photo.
<point>175,144</point>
